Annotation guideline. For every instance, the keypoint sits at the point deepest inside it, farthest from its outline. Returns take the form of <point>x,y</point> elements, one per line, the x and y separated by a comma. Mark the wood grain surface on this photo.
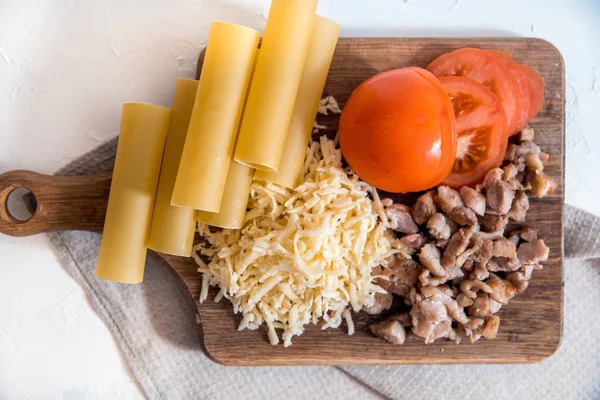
<point>61,202</point>
<point>531,325</point>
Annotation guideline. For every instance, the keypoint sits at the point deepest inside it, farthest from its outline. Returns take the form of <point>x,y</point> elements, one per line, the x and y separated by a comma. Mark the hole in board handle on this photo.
<point>21,204</point>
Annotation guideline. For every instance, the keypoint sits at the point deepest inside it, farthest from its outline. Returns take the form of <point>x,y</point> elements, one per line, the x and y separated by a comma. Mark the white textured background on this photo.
<point>66,67</point>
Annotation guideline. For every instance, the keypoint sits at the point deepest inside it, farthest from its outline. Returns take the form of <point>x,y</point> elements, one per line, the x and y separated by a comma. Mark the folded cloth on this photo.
<point>156,330</point>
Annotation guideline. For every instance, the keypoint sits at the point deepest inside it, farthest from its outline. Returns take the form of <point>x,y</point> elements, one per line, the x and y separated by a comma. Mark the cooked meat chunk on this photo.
<point>468,285</point>
<point>502,290</point>
<point>436,294</point>
<point>457,245</point>
<point>493,223</point>
<point>463,301</point>
<point>490,330</point>
<point>391,331</point>
<point>405,270</point>
<point>503,264</point>
<point>403,317</point>
<point>452,335</point>
<point>489,235</point>
<point>494,306</point>
<point>483,251</point>
<point>442,243</point>
<point>474,323</point>
<point>393,286</point>
<point>424,208</point>
<point>383,301</point>
<point>447,290</point>
<point>526,147</point>
<point>504,247</point>
<point>519,207</point>
<point>383,283</point>
<point>465,255</point>
<point>511,151</point>
<point>493,175</point>
<point>414,241</point>
<point>438,226</point>
<point>528,234</point>
<point>441,330</point>
<point>427,316</point>
<point>480,271</point>
<point>541,185</point>
<point>499,194</point>
<point>473,335</point>
<point>510,171</point>
<point>453,226</point>
<point>463,216</point>
<point>468,266</point>
<point>454,272</point>
<point>526,133</point>
<point>457,312</point>
<point>400,219</point>
<point>513,175</point>
<point>473,199</point>
<point>427,280</point>
<point>527,270</point>
<point>448,198</point>
<point>533,252</point>
<point>480,250</point>
<point>401,273</point>
<point>378,270</point>
<point>430,258</point>
<point>544,157</point>
<point>534,162</point>
<point>517,279</point>
<point>480,306</point>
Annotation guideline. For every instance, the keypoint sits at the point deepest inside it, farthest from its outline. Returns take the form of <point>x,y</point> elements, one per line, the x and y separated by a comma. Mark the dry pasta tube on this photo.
<point>275,84</point>
<point>132,193</point>
<point>210,140</point>
<point>172,228</point>
<point>318,60</point>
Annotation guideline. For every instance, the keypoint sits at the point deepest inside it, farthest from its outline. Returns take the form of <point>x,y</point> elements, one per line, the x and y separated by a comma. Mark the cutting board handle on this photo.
<point>57,202</point>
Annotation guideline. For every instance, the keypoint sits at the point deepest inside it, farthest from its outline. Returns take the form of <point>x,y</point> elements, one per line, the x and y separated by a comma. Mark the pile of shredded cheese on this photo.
<point>302,255</point>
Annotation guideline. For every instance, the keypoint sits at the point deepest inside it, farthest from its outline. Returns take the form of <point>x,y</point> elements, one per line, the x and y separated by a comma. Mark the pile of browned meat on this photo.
<point>466,265</point>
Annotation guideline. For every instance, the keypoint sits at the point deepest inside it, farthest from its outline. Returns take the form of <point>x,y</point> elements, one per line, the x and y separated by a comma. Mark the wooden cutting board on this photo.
<point>531,325</point>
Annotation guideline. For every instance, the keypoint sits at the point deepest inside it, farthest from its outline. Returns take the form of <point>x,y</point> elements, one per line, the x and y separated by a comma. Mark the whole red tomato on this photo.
<point>398,131</point>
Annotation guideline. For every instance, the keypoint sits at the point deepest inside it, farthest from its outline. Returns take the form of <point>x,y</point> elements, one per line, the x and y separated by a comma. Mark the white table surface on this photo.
<point>66,67</point>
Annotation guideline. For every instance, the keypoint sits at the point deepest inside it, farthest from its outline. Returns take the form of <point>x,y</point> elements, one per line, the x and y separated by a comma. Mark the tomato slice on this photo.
<point>519,74</point>
<point>536,89</point>
<point>484,68</point>
<point>482,130</point>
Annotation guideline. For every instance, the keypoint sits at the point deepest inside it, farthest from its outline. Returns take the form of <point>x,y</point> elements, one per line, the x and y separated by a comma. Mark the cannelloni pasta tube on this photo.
<point>318,60</point>
<point>209,144</point>
<point>172,228</point>
<point>132,193</point>
<point>275,83</point>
